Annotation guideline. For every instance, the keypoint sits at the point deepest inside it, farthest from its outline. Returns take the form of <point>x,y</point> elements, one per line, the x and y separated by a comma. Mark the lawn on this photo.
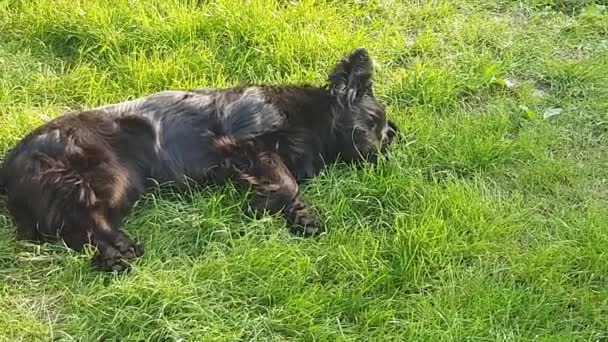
<point>488,222</point>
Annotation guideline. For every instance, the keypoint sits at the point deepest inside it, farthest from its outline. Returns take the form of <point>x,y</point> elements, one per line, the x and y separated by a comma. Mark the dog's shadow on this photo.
<point>192,223</point>
<point>172,226</point>
<point>7,254</point>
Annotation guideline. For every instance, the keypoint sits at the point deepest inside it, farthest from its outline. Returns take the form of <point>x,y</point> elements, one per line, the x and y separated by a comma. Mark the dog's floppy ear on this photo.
<point>352,77</point>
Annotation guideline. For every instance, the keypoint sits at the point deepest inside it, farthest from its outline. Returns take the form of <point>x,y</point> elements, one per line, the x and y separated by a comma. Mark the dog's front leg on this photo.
<point>276,190</point>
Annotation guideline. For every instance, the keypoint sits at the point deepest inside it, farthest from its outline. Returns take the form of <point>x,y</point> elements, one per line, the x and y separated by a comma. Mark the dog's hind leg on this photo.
<point>114,247</point>
<point>96,227</point>
<point>87,208</point>
<point>275,189</point>
<point>77,227</point>
<point>27,228</point>
<point>102,221</point>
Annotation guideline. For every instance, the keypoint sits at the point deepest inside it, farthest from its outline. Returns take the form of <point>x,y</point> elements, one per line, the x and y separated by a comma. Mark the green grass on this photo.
<point>489,222</point>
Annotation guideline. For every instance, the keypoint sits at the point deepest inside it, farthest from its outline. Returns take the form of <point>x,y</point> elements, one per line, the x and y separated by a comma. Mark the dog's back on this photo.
<point>100,159</point>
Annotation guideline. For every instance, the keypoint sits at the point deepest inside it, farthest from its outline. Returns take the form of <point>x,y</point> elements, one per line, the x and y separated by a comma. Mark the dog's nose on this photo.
<point>391,132</point>
<point>387,138</point>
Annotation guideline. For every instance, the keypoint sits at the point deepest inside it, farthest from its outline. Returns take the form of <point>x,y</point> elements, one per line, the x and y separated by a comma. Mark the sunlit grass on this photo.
<point>488,222</point>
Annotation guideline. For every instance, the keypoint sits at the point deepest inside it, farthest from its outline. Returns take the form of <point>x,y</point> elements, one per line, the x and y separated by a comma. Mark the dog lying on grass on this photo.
<point>76,177</point>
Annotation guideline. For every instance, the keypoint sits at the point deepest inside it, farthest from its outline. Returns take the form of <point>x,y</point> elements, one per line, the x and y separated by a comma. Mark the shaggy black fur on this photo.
<point>76,177</point>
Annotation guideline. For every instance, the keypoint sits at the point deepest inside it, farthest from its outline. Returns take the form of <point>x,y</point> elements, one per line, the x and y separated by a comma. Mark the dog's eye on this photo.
<point>371,122</point>
<point>377,115</point>
<point>372,119</point>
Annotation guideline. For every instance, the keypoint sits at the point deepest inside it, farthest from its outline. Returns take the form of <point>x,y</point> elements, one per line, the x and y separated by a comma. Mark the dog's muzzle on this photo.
<point>390,135</point>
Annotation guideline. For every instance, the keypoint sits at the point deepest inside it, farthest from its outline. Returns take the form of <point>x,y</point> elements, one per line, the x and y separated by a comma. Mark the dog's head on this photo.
<point>362,126</point>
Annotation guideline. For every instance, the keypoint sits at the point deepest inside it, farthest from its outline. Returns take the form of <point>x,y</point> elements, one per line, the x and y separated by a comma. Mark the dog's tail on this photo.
<point>3,185</point>
<point>250,116</point>
<point>4,174</point>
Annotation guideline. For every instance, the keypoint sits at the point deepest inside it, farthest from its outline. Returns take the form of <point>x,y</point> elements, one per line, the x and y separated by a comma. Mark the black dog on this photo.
<point>76,177</point>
